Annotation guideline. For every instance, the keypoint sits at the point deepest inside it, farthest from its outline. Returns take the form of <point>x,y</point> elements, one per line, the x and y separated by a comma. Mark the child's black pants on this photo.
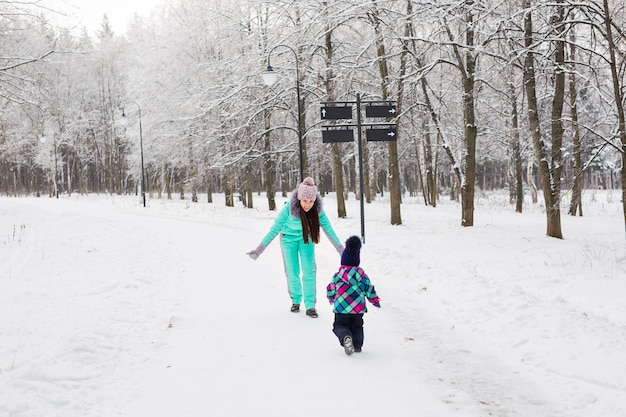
<point>349,325</point>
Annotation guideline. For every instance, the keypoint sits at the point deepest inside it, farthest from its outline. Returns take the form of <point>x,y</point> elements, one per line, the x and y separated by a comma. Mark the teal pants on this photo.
<point>299,259</point>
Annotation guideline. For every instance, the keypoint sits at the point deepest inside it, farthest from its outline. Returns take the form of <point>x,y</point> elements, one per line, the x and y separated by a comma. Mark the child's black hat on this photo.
<point>351,255</point>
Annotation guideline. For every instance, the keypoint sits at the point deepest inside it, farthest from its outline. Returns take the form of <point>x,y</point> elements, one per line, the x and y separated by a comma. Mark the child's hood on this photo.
<point>350,274</point>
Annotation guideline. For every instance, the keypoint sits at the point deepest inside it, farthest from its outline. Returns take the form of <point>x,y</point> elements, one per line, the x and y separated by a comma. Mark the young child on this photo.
<point>347,291</point>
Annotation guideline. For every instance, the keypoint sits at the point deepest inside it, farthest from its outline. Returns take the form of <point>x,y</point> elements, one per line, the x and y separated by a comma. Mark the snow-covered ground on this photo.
<point>108,308</point>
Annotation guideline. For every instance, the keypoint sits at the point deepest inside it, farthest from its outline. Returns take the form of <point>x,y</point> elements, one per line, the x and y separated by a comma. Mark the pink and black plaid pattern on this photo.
<point>348,290</point>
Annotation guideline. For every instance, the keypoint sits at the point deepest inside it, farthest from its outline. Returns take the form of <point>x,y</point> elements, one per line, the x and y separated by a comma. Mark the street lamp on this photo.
<point>269,77</point>
<point>143,190</point>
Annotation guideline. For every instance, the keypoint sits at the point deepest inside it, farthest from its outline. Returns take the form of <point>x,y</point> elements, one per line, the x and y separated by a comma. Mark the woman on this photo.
<point>299,226</point>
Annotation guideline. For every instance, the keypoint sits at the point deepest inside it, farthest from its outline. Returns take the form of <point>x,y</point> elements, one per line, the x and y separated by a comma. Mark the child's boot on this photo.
<point>348,347</point>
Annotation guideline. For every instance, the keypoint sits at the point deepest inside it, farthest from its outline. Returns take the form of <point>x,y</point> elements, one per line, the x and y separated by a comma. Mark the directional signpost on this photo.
<point>374,132</point>
<point>380,110</point>
<point>336,113</point>
<point>384,134</point>
<point>337,135</point>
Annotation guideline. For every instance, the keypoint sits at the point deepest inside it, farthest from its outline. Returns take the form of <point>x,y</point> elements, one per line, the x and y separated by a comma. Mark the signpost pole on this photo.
<point>360,148</point>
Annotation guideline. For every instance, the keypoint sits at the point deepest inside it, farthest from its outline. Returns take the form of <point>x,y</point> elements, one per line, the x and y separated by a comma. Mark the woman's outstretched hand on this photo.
<point>254,254</point>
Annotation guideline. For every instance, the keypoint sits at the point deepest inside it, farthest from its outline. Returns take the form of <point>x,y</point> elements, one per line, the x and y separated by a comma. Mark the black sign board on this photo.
<point>338,135</point>
<point>334,113</point>
<point>378,135</point>
<point>380,111</point>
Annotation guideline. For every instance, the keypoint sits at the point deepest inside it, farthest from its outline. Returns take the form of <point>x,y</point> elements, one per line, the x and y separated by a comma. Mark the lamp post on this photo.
<point>143,190</point>
<point>269,77</point>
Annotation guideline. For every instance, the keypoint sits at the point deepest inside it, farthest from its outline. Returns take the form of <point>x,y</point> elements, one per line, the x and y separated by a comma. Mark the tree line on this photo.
<point>525,95</point>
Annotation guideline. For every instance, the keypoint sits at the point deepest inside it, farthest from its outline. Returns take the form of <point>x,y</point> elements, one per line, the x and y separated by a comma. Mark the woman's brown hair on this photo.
<point>310,224</point>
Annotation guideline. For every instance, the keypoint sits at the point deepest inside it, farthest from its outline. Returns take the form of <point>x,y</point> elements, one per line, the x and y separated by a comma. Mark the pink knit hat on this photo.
<point>307,190</point>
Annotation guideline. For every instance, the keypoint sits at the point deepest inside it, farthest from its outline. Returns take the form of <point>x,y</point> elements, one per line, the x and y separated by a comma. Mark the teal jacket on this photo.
<point>289,225</point>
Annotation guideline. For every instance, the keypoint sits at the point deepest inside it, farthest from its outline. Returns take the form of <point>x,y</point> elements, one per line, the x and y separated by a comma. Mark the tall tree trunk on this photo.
<point>553,219</point>
<point>420,171</point>
<point>427,174</point>
<point>301,101</point>
<point>209,187</point>
<point>180,182</point>
<point>530,179</point>
<point>467,66</point>
<point>302,127</point>
<point>335,152</point>
<point>335,149</point>
<point>268,165</point>
<point>619,98</point>
<point>394,170</point>
<point>430,171</point>
<point>517,154</point>
<point>168,182</point>
<point>469,185</point>
<point>247,194</point>
<point>404,55</point>
<point>191,171</point>
<point>557,121</point>
<point>228,190</point>
<point>576,205</point>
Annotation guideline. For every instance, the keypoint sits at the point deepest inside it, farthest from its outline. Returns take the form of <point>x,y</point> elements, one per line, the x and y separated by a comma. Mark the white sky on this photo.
<point>89,13</point>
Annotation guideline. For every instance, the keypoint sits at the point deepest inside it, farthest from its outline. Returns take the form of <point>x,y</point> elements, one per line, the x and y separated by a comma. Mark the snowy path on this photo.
<point>109,309</point>
<point>236,350</point>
